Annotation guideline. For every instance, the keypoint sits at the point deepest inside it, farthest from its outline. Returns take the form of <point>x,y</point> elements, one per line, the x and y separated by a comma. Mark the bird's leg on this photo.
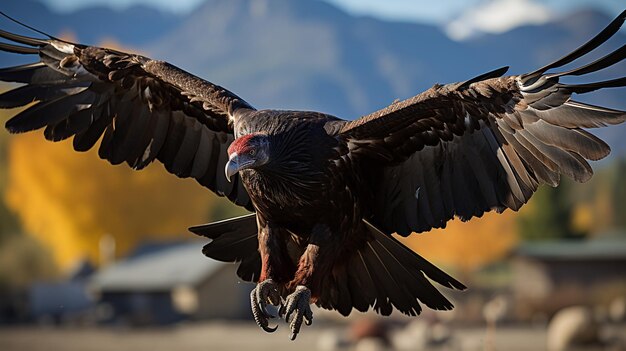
<point>274,270</point>
<point>313,265</point>
<point>264,293</point>
<point>299,302</point>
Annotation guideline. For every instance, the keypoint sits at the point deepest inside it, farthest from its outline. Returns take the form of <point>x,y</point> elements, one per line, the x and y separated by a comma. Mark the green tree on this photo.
<point>9,225</point>
<point>618,194</point>
<point>549,215</point>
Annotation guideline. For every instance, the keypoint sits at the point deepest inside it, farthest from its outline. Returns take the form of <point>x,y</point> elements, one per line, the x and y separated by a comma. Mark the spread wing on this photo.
<point>486,144</point>
<point>141,109</point>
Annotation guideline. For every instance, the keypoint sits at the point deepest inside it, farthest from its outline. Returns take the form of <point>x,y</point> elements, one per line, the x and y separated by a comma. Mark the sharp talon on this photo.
<point>269,329</point>
<point>288,317</point>
<point>292,337</point>
<point>308,322</point>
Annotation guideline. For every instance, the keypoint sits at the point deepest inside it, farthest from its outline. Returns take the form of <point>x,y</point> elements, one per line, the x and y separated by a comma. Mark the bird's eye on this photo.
<point>252,152</point>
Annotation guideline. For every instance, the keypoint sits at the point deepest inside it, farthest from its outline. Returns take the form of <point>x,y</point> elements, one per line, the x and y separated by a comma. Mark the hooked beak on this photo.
<point>234,165</point>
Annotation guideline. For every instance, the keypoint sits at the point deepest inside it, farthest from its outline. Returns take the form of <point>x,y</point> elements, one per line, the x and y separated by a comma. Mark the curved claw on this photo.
<point>263,307</point>
<point>282,310</point>
<point>267,292</point>
<point>288,316</point>
<point>259,296</point>
<point>269,329</point>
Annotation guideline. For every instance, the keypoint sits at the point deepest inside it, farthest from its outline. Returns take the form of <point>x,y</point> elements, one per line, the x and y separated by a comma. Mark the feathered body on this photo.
<point>297,190</point>
<point>326,194</point>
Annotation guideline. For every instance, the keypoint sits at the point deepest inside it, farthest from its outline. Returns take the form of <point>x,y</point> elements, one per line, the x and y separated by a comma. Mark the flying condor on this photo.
<point>325,194</point>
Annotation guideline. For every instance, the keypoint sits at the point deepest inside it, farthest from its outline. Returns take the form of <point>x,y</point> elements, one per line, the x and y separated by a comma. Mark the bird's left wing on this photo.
<point>141,109</point>
<point>486,144</point>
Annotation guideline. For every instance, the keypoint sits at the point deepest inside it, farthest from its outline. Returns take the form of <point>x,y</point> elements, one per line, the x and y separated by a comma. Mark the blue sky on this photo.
<point>412,10</point>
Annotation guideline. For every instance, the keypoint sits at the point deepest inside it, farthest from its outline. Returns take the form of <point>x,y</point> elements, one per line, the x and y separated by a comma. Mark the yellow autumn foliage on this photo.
<point>468,246</point>
<point>70,200</point>
<point>583,218</point>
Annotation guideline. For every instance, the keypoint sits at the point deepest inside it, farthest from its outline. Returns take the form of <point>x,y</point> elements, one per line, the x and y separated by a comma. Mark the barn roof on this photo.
<point>158,270</point>
<point>608,246</point>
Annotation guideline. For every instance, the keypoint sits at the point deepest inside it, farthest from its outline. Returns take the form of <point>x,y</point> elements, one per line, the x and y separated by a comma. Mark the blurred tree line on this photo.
<point>22,258</point>
<point>56,205</point>
<point>8,223</point>
<point>69,201</point>
<point>570,211</point>
<point>577,211</point>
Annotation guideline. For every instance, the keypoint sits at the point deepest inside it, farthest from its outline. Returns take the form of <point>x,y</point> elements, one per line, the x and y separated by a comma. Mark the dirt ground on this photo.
<point>226,336</point>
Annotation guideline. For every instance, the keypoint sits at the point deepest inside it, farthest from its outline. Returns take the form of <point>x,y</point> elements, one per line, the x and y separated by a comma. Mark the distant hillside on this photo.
<point>309,54</point>
<point>136,25</point>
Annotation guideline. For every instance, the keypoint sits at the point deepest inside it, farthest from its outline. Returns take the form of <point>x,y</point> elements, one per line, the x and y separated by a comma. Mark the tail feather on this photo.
<point>415,261</point>
<point>389,288</point>
<point>234,240</point>
<point>250,268</point>
<point>384,275</point>
<point>214,230</point>
<point>362,286</point>
<point>413,282</point>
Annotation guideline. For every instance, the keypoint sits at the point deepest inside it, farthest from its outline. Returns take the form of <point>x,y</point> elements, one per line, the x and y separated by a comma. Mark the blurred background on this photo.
<point>97,257</point>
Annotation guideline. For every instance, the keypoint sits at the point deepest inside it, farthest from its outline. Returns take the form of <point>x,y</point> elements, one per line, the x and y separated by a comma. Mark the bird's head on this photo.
<point>248,151</point>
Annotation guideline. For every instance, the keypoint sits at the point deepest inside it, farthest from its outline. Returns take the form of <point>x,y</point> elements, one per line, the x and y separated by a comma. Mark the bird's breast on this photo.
<point>286,198</point>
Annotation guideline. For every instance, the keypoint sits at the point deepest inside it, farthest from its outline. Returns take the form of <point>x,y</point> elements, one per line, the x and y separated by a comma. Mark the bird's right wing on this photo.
<point>142,109</point>
<point>482,145</point>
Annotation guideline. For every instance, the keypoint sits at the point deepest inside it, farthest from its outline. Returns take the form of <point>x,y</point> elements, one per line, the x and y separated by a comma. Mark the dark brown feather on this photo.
<point>146,109</point>
<point>234,240</point>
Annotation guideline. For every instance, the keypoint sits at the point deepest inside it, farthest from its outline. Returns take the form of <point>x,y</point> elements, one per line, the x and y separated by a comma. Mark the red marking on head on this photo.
<point>241,145</point>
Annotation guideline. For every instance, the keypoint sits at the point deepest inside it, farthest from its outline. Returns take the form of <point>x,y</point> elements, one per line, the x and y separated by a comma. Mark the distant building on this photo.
<point>541,269</point>
<point>63,301</point>
<point>161,285</point>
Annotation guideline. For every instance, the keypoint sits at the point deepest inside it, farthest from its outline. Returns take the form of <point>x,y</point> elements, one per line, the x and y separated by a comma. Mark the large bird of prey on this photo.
<point>325,194</point>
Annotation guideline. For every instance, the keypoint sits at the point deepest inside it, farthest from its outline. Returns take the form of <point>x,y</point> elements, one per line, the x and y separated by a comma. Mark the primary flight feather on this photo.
<point>326,194</point>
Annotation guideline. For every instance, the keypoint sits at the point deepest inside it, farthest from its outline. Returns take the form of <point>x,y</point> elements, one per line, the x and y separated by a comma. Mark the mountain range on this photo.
<point>309,54</point>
